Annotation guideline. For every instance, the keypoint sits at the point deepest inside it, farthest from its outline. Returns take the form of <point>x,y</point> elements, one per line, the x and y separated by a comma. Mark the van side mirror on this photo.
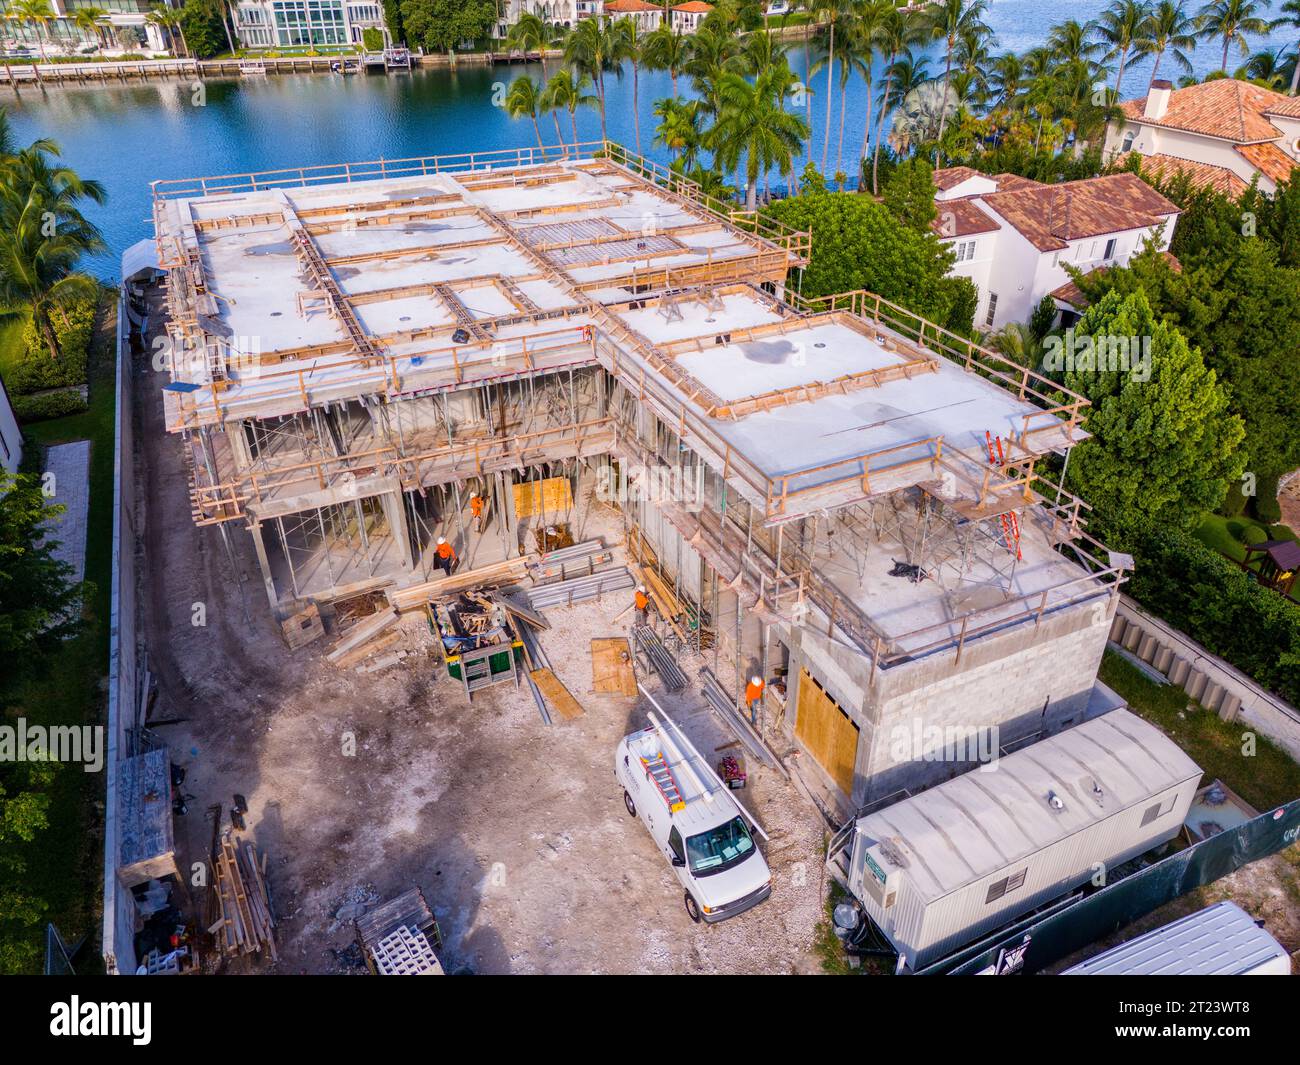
<point>679,861</point>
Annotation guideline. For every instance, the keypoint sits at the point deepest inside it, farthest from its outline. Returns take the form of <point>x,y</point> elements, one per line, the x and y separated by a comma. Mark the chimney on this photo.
<point>1158,100</point>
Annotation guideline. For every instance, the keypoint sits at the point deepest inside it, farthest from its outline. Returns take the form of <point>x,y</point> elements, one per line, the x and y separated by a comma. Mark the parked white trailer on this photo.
<point>942,868</point>
<point>1220,940</point>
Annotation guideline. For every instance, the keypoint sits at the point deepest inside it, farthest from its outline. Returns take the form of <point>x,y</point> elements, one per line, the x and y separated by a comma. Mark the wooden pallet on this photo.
<point>611,666</point>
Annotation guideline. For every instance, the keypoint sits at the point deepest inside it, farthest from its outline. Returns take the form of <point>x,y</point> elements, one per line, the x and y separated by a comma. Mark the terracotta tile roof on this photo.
<point>1218,178</point>
<point>694,5</point>
<point>1225,107</point>
<point>1070,292</point>
<point>949,177</point>
<point>1286,106</point>
<point>629,6</point>
<point>1011,182</point>
<point>1268,159</point>
<point>961,218</point>
<point>1049,216</point>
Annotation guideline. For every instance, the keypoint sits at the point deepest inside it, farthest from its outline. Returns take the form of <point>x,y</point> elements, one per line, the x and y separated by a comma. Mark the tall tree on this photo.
<point>1164,445</point>
<point>754,125</point>
<point>626,41</point>
<point>36,13</point>
<point>1170,30</point>
<point>829,14</point>
<point>43,235</point>
<point>899,30</point>
<point>666,49</point>
<point>567,92</point>
<point>589,48</point>
<point>525,98</point>
<point>1124,26</point>
<point>1290,20</point>
<point>949,20</point>
<point>529,34</point>
<point>1233,21</point>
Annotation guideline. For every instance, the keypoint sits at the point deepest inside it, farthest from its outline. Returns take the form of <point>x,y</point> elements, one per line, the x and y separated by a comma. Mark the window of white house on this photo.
<point>1128,140</point>
<point>965,251</point>
<point>993,307</point>
<point>1110,248</point>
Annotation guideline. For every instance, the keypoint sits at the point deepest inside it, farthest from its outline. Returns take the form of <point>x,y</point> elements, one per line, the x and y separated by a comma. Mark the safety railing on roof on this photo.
<point>794,242</point>
<point>1057,403</point>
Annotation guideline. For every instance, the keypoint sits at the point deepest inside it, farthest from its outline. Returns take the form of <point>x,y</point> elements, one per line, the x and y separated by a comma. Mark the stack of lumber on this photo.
<point>368,636</point>
<point>245,922</point>
<point>417,596</point>
<point>665,600</point>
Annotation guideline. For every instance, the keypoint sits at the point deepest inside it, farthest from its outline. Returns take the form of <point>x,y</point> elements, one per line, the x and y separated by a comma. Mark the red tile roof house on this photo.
<point>1222,133</point>
<point>1013,237</point>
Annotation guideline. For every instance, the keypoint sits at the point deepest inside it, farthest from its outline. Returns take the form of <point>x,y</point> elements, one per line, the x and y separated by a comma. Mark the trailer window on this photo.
<point>720,848</point>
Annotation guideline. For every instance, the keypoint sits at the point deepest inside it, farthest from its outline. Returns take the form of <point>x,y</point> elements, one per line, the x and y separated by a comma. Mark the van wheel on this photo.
<point>692,908</point>
<point>631,806</point>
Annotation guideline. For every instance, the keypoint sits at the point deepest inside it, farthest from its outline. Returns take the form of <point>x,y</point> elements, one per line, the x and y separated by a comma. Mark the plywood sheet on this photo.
<point>556,694</point>
<point>826,732</point>
<point>549,496</point>
<point>611,666</point>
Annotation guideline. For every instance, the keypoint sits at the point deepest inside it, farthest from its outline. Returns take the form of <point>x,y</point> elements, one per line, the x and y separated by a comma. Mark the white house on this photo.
<point>11,439</point>
<point>299,23</point>
<point>646,16</point>
<point>686,18</point>
<point>1014,237</point>
<point>1222,133</point>
<point>562,13</point>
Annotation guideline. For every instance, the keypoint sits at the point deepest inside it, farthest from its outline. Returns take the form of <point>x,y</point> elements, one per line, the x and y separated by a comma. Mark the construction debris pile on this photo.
<point>240,901</point>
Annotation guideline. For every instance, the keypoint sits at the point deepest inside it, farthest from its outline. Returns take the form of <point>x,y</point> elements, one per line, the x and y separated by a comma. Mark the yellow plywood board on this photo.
<point>556,694</point>
<point>550,497</point>
<point>826,732</point>
<point>611,666</point>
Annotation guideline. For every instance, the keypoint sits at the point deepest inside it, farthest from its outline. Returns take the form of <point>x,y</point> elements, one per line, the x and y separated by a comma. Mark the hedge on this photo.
<point>38,370</point>
<point>49,405</point>
<point>1216,603</point>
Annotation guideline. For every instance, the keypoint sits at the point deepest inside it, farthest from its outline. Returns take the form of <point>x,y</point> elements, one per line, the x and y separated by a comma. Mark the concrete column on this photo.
<point>395,511</point>
<point>260,547</point>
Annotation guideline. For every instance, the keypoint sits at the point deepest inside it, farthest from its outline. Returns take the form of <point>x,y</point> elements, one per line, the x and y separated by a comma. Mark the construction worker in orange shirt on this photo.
<point>445,556</point>
<point>753,692</point>
<point>476,511</point>
<point>642,605</point>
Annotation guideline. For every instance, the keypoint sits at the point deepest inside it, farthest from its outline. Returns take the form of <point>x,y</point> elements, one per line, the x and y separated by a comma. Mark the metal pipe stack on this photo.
<point>660,660</point>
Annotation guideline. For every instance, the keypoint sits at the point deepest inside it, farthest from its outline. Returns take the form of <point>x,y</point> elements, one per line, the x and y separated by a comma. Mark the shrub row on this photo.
<point>38,370</point>
<point>49,405</point>
<point>1197,590</point>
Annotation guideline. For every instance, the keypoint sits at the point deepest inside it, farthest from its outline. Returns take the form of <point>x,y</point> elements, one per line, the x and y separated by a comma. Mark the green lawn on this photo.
<point>64,864</point>
<point>1229,535</point>
<point>1265,779</point>
<point>11,341</point>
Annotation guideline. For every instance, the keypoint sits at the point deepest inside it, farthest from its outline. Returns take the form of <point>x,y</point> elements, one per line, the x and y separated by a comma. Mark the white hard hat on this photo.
<point>755,680</point>
<point>442,539</point>
<point>640,587</point>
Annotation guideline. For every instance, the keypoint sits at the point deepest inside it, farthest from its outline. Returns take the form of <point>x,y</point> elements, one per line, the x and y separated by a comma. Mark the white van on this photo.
<point>701,829</point>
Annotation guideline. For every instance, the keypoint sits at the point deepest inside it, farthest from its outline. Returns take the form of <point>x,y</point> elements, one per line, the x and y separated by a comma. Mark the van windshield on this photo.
<point>719,848</point>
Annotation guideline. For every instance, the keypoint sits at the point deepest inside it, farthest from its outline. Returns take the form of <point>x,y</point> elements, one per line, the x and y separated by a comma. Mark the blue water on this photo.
<point>127,136</point>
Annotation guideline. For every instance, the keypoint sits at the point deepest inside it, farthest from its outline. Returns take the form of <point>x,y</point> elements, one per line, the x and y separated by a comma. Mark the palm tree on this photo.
<point>1170,30</point>
<point>679,130</point>
<point>43,235</point>
<point>37,13</point>
<point>860,50</point>
<point>524,98</point>
<point>714,53</point>
<point>829,13</point>
<point>88,20</point>
<point>1290,20</point>
<point>1123,26</point>
<point>1232,20</point>
<point>169,21</point>
<point>1073,40</point>
<point>949,20</point>
<point>754,124</point>
<point>899,30</point>
<point>625,46</point>
<point>666,49</point>
<point>921,115</point>
<point>589,49</point>
<point>1266,68</point>
<point>564,92</point>
<point>528,34</point>
<point>1006,77</point>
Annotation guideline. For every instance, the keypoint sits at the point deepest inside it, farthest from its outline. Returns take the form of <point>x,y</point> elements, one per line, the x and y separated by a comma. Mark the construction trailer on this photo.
<point>942,869</point>
<point>1220,940</point>
<point>835,493</point>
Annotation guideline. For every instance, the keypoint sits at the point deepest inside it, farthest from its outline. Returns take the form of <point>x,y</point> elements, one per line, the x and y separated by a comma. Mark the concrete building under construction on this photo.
<point>854,495</point>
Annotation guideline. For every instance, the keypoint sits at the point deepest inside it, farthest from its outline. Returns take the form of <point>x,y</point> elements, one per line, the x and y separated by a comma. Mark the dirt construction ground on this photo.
<point>514,830</point>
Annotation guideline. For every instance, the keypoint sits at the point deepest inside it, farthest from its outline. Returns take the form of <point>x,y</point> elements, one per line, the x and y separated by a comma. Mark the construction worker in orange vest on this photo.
<point>476,511</point>
<point>642,605</point>
<point>445,556</point>
<point>753,692</point>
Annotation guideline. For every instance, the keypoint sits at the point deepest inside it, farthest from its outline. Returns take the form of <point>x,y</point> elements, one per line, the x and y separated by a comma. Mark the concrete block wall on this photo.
<point>1214,683</point>
<point>1019,682</point>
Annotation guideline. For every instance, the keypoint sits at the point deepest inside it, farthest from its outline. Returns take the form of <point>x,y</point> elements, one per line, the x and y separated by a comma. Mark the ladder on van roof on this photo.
<point>657,769</point>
